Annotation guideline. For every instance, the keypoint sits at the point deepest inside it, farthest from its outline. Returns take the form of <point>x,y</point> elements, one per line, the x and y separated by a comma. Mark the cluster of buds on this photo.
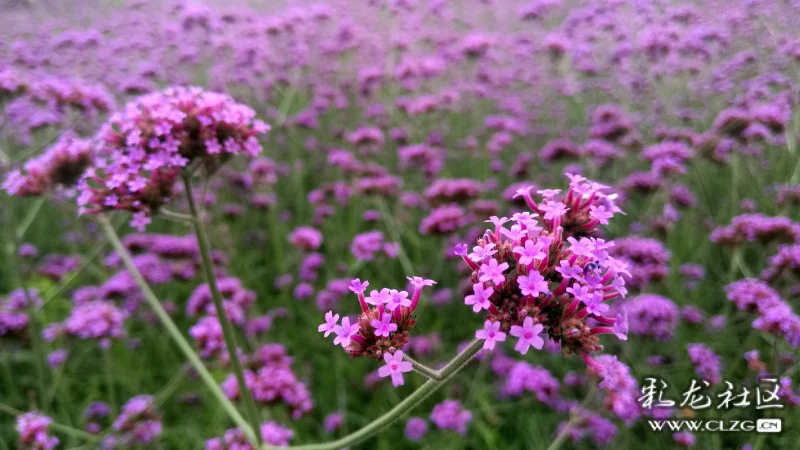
<point>383,327</point>
<point>579,212</point>
<point>144,148</point>
<point>554,278</point>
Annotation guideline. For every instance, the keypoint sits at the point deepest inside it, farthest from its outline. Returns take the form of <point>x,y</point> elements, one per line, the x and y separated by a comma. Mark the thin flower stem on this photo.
<point>564,433</point>
<point>173,330</point>
<point>216,296</point>
<point>55,426</point>
<point>423,369</point>
<point>112,393</point>
<point>175,216</point>
<point>430,386</point>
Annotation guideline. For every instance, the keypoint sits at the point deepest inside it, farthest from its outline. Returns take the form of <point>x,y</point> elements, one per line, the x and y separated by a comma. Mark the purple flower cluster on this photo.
<point>98,320</point>
<point>383,327</point>
<point>653,316</point>
<point>138,423</point>
<point>272,433</point>
<point>236,300</point>
<point>306,238</point>
<point>451,415</point>
<point>61,164</point>
<point>707,364</point>
<point>143,148</point>
<point>270,379</point>
<point>647,259</point>
<point>552,278</point>
<point>775,316</point>
<point>14,311</point>
<point>365,246</point>
<point>33,432</point>
<point>444,219</point>
<point>756,227</point>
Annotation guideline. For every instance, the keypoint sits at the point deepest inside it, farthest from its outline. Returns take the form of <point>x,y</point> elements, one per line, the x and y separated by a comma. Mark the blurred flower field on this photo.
<point>497,224</point>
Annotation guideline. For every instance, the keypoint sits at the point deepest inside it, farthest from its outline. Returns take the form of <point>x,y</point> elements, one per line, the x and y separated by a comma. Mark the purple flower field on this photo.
<point>399,224</point>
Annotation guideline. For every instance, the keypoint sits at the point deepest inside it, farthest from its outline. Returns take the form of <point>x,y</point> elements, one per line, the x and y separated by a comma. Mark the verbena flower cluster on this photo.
<point>33,432</point>
<point>383,327</point>
<point>143,148</point>
<point>551,278</point>
<point>61,164</point>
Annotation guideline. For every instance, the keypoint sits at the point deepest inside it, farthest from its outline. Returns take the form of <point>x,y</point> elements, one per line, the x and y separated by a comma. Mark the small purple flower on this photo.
<point>531,251</point>
<point>395,367</point>
<point>416,429</point>
<point>528,335</point>
<point>480,299</point>
<point>345,332</point>
<point>333,422</point>
<point>384,326</point>
<point>493,272</point>
<point>357,286</point>
<point>330,323</point>
<point>57,358</point>
<point>491,334</point>
<point>397,299</point>
<point>533,284</point>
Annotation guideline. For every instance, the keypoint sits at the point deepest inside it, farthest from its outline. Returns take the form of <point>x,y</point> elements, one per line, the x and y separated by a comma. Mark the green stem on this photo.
<point>423,369</point>
<point>562,436</point>
<point>173,330</point>
<point>430,386</point>
<point>112,395</point>
<point>216,296</point>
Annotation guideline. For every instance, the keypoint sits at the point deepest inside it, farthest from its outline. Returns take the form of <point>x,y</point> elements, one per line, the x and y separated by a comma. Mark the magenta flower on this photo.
<point>553,210</point>
<point>594,304</point>
<point>420,282</point>
<point>600,213</point>
<point>479,253</point>
<point>532,284</point>
<point>384,326</point>
<point>480,300</point>
<point>396,299</point>
<point>621,326</point>
<point>514,234</point>
<point>140,220</point>
<point>358,287</point>
<point>345,332</point>
<point>493,272</point>
<point>378,297</point>
<point>490,333</point>
<point>395,366</point>
<point>579,291</point>
<point>330,323</point>
<point>568,270</point>
<point>531,251</point>
<point>528,335</point>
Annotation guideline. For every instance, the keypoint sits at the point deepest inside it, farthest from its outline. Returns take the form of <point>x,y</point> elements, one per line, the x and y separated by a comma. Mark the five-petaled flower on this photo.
<point>532,284</point>
<point>479,300</point>
<point>384,326</point>
<point>493,272</point>
<point>395,366</point>
<point>490,333</point>
<point>397,299</point>
<point>528,335</point>
<point>330,323</point>
<point>344,332</point>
